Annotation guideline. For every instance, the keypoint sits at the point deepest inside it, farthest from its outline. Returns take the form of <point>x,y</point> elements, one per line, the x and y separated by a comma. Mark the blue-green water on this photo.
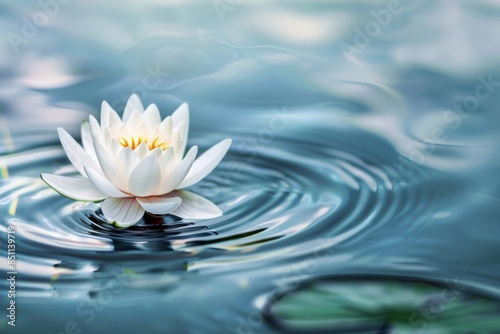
<point>361,193</point>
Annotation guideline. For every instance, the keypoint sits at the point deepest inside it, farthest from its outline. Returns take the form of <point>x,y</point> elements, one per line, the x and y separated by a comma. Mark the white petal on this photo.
<point>103,184</point>
<point>76,188</point>
<point>142,150</point>
<point>95,130</point>
<point>109,117</point>
<point>176,144</point>
<point>133,103</point>
<point>194,206</point>
<point>179,139</point>
<point>165,128</point>
<point>206,163</point>
<point>145,177</point>
<point>157,152</point>
<point>135,124</point>
<point>178,117</point>
<point>88,145</point>
<point>110,167</point>
<point>152,115</point>
<point>179,172</point>
<point>124,211</point>
<point>160,205</point>
<point>181,114</point>
<point>127,160</point>
<point>167,163</point>
<point>114,147</point>
<point>122,131</point>
<point>76,154</point>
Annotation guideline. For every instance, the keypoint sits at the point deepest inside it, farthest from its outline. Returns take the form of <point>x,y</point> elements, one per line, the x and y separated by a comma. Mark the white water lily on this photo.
<point>137,165</point>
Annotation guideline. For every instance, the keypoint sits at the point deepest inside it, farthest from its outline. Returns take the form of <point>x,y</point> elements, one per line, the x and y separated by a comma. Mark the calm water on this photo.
<point>361,193</point>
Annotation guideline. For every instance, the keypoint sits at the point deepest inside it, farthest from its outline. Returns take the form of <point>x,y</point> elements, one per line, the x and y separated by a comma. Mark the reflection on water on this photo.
<point>356,186</point>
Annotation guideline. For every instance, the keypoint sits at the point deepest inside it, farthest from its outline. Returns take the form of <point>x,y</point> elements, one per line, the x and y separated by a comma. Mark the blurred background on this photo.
<point>361,192</point>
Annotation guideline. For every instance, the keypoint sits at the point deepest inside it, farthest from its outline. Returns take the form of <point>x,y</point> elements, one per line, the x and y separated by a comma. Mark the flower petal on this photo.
<point>165,128</point>
<point>179,140</point>
<point>127,160</point>
<point>101,183</point>
<point>88,145</point>
<point>133,103</point>
<point>179,116</point>
<point>76,188</point>
<point>194,206</point>
<point>179,172</point>
<point>157,152</point>
<point>145,177</point>
<point>160,205</point>
<point>76,154</point>
<point>206,163</point>
<point>109,117</point>
<point>135,124</point>
<point>95,130</point>
<point>167,163</point>
<point>124,211</point>
<point>114,147</point>
<point>152,115</point>
<point>142,150</point>
<point>109,166</point>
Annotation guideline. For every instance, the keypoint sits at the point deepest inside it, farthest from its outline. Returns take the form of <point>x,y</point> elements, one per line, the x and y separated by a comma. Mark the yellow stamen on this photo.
<point>133,142</point>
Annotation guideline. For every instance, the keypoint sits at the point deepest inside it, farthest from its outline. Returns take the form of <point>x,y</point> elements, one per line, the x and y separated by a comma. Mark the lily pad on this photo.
<point>385,306</point>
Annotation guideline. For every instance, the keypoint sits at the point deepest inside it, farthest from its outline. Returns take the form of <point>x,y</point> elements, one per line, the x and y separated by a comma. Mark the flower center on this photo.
<point>133,142</point>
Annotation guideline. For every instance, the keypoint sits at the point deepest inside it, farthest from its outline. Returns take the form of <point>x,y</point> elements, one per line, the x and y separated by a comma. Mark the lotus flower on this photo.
<point>137,165</point>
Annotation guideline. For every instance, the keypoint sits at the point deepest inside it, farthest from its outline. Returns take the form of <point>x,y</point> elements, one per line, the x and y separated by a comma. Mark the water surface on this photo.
<point>361,192</point>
